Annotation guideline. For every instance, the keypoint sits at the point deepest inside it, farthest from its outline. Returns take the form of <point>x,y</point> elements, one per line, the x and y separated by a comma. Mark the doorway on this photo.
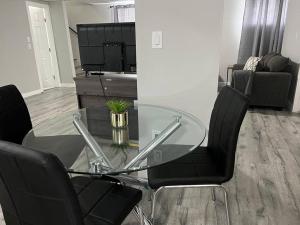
<point>43,44</point>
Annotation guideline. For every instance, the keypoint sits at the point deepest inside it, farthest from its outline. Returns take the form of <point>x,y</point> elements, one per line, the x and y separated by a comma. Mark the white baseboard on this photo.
<point>67,85</point>
<point>31,93</point>
<point>222,84</point>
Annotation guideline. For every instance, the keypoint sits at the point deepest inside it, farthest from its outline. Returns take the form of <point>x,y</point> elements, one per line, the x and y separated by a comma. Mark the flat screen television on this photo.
<point>107,47</point>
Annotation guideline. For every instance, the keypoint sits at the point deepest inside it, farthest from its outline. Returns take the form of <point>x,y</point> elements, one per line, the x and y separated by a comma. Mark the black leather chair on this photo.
<point>14,116</point>
<point>35,190</point>
<point>15,123</point>
<point>209,166</point>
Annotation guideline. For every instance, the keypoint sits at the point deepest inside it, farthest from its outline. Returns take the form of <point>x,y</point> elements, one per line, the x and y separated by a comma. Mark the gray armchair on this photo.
<point>270,89</point>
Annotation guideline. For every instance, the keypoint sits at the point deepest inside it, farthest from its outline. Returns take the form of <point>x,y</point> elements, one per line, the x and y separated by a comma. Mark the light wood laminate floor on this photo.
<point>265,189</point>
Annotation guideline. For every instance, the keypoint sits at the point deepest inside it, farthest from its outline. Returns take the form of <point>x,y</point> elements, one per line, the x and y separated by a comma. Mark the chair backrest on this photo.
<point>35,188</point>
<point>225,122</point>
<point>15,120</point>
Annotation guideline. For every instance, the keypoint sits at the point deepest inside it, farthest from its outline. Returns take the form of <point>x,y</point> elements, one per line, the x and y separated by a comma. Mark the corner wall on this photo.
<point>231,34</point>
<point>291,42</point>
<point>184,74</point>
<point>62,41</point>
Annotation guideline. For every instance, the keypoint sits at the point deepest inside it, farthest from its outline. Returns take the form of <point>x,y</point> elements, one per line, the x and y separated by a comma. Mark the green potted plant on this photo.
<point>118,112</point>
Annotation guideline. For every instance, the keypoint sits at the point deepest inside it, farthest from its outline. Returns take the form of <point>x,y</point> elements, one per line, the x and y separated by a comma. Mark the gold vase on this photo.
<point>119,119</point>
<point>120,136</point>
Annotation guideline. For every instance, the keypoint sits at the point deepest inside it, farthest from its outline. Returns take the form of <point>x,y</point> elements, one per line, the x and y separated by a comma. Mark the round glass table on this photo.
<point>86,143</point>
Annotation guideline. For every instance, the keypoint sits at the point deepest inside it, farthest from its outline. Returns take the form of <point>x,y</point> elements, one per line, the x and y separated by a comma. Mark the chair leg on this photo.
<point>226,204</point>
<point>213,194</point>
<point>154,199</point>
<point>139,214</point>
<point>150,194</point>
<point>192,186</point>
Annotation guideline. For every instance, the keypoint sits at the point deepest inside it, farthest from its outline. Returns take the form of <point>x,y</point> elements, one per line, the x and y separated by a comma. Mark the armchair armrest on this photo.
<point>240,80</point>
<point>238,67</point>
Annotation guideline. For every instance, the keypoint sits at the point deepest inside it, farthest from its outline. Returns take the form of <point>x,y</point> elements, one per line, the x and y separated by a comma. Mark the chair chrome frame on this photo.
<point>138,212</point>
<point>212,186</point>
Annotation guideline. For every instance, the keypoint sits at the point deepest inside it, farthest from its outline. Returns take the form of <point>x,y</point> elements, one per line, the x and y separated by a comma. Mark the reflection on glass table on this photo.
<point>155,135</point>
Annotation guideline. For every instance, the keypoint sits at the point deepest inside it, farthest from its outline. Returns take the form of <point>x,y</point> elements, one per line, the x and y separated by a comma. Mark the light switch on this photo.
<point>157,39</point>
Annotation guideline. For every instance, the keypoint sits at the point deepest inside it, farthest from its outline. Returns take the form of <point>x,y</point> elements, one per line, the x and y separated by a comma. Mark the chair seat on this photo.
<point>104,202</point>
<point>195,168</point>
<point>58,145</point>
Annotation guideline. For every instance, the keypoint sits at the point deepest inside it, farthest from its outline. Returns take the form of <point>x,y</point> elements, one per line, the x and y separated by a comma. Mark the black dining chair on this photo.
<point>15,123</point>
<point>15,120</point>
<point>35,189</point>
<point>209,166</point>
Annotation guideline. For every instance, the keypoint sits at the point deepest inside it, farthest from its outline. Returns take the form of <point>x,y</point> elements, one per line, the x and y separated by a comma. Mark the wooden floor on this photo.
<point>264,191</point>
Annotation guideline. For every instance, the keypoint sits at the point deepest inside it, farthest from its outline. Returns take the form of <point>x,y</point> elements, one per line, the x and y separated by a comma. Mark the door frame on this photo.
<point>51,42</point>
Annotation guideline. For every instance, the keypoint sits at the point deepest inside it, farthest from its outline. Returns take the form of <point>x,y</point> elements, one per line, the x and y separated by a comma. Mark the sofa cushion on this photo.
<point>262,64</point>
<point>260,67</point>
<point>277,63</point>
<point>252,63</point>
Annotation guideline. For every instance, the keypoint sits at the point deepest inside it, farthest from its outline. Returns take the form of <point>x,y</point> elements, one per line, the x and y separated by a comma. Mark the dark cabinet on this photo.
<point>120,87</point>
<point>88,87</point>
<point>91,93</point>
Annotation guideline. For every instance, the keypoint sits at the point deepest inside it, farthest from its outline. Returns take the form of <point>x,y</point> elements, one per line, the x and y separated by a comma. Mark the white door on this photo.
<point>41,43</point>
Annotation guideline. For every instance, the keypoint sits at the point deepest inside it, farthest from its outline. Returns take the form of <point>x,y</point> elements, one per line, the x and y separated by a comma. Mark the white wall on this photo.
<point>79,13</point>
<point>184,74</point>
<point>291,42</point>
<point>62,41</point>
<point>17,62</point>
<point>231,34</point>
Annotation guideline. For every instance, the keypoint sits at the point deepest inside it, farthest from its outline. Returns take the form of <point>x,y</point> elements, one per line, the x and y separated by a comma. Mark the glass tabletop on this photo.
<point>85,141</point>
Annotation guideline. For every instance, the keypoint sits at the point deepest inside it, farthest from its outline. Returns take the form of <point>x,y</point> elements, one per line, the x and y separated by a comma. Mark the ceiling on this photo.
<point>90,1</point>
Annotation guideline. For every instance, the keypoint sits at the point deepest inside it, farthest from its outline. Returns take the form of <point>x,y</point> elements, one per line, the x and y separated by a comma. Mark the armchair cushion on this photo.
<point>263,63</point>
<point>277,63</point>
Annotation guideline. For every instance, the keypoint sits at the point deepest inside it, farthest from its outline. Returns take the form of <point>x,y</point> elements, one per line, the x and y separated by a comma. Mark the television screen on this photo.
<point>107,47</point>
